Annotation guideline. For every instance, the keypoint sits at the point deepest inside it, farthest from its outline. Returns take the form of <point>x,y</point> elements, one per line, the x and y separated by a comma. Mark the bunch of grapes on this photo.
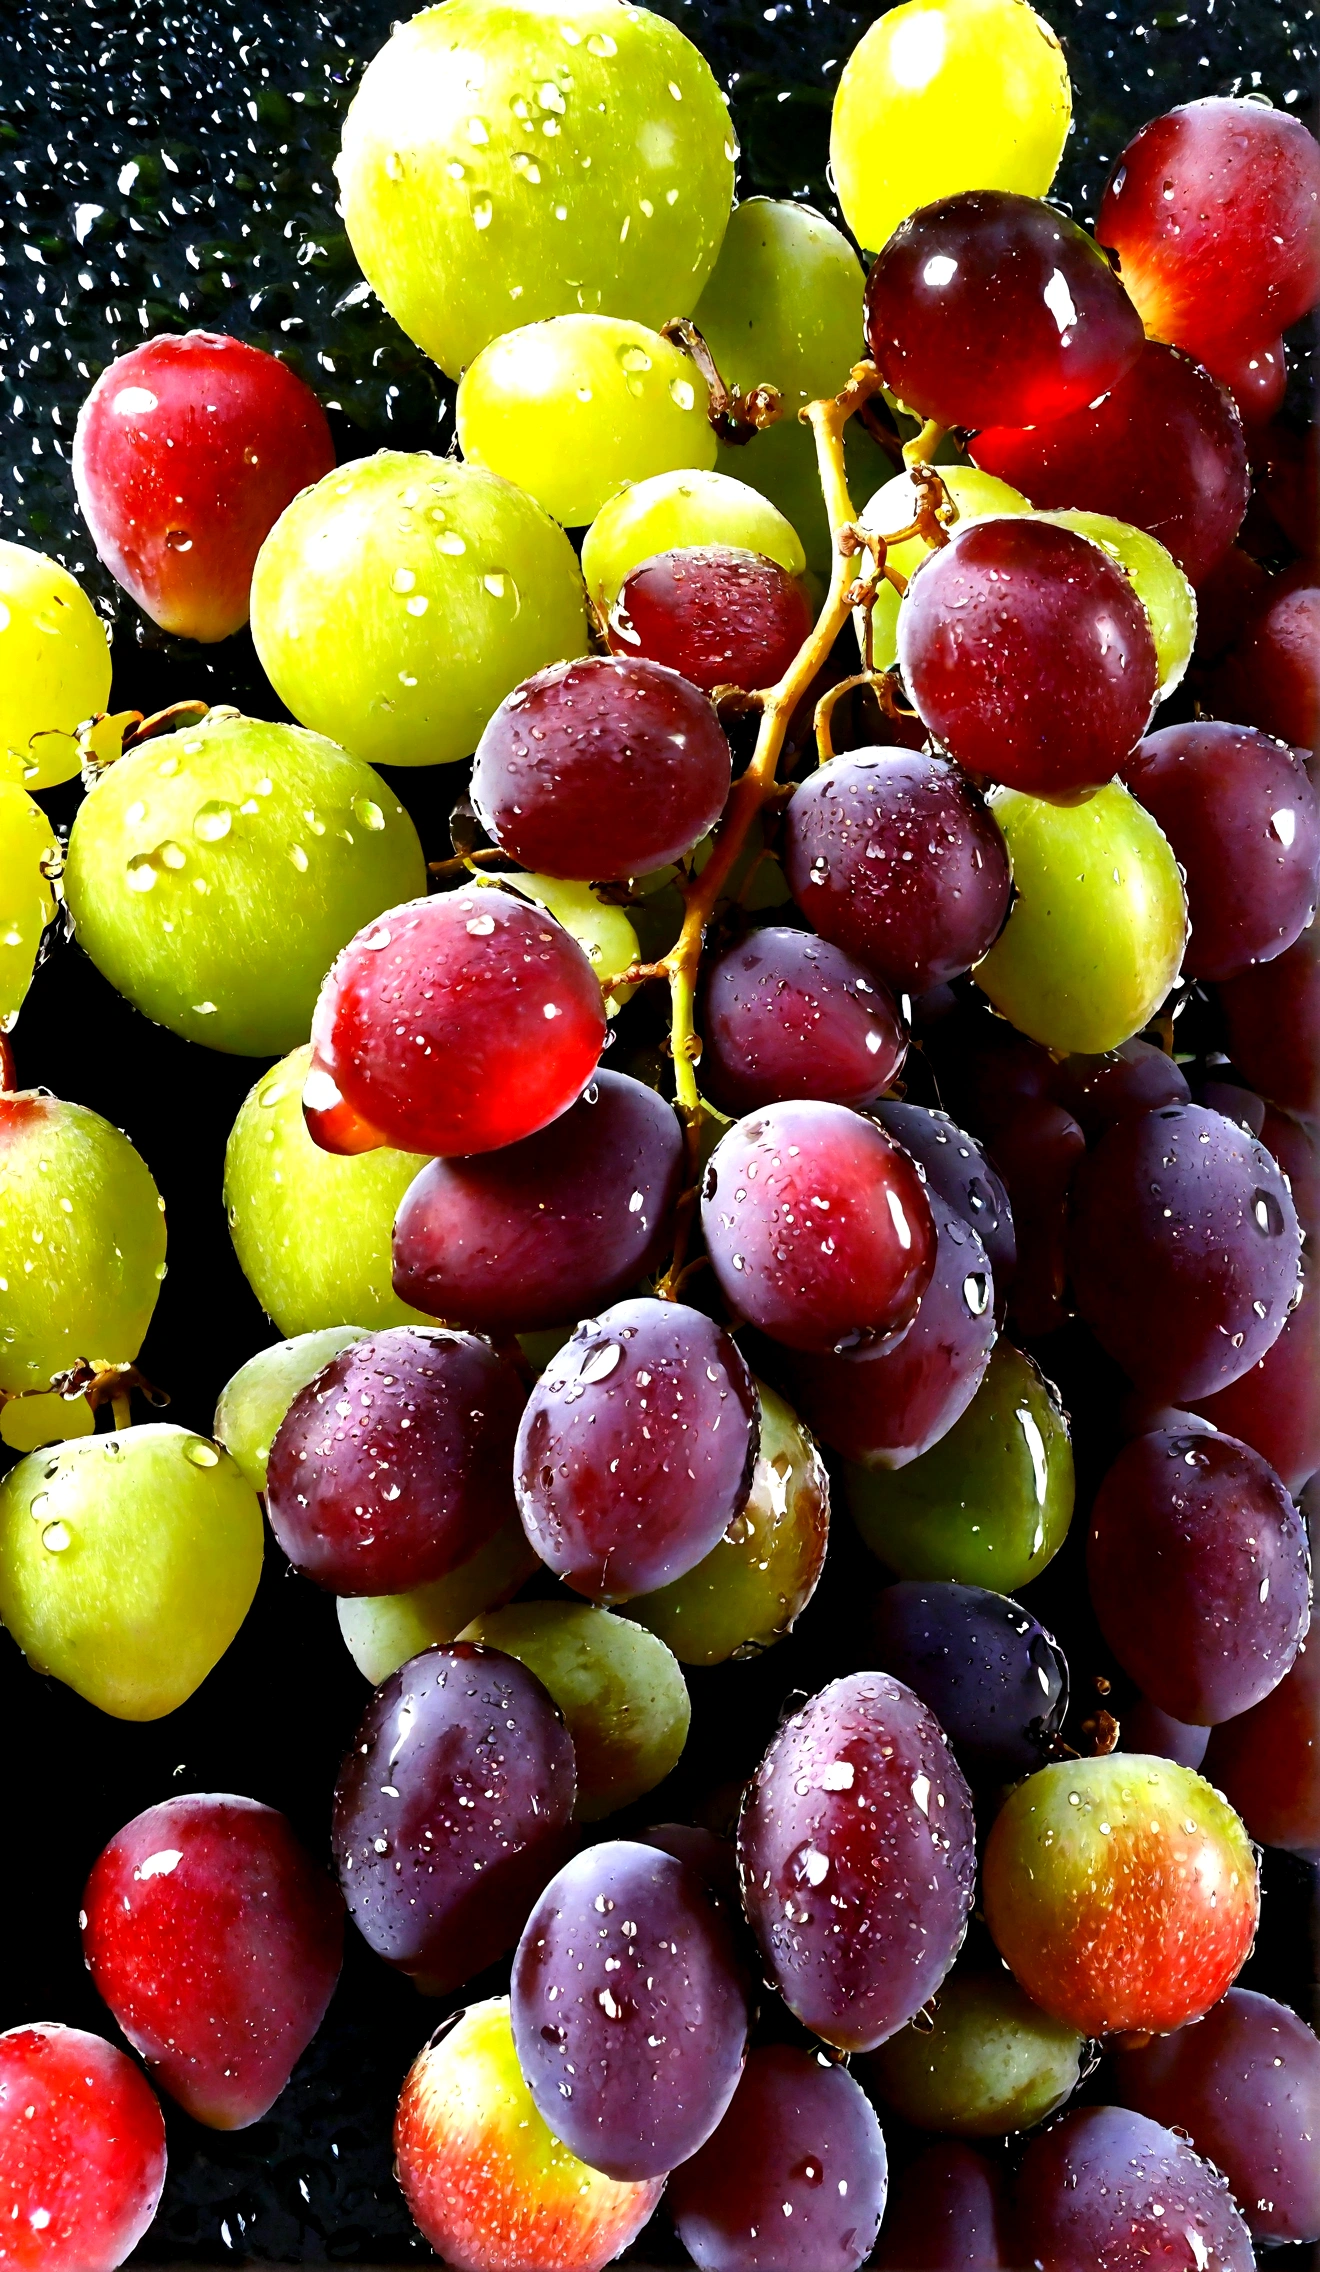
<point>844,1002</point>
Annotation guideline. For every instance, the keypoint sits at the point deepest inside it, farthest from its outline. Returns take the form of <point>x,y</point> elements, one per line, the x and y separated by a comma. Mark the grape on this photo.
<point>800,2141</point>
<point>991,309</point>
<point>186,452</point>
<point>498,1038</point>
<point>1145,1728</point>
<point>1135,1077</point>
<point>128,1563</point>
<point>1161,586</point>
<point>990,1504</point>
<point>785,1015</point>
<point>253,1403</point>
<point>996,1681</point>
<point>1028,654</point>
<point>82,1240</point>
<point>1274,1407</point>
<point>1271,678</point>
<point>605,768</point>
<point>216,1941</point>
<point>970,94</point>
<point>984,2061</point>
<point>28,845</point>
<point>976,496</point>
<point>1201,1281</point>
<point>857,1856</point>
<point>394,604</point>
<point>621,1693</point>
<point>82,2150</point>
<point>750,1589</point>
<point>1095,936</point>
<point>1273,1019</point>
<point>1255,375</point>
<point>957,1169</point>
<point>1295,1144</point>
<point>1037,1150</point>
<point>637,1448</point>
<point>945,2214</point>
<point>56,668</point>
<point>28,1422</point>
<point>781,464</point>
<point>214,875</point>
<point>602,930</point>
<point>629,2012</point>
<point>381,1631</point>
<point>1111,2190</point>
<point>713,1859</point>
<point>721,616</point>
<point>783,306</point>
<point>672,511</point>
<point>1121,1891</point>
<point>893,856</point>
<point>1269,1761</point>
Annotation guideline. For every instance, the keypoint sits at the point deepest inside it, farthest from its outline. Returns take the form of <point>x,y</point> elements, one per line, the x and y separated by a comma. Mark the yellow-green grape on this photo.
<point>128,1563</point>
<point>939,96</point>
<point>28,1422</point>
<point>1095,935</point>
<point>253,1403</point>
<point>990,1503</point>
<point>213,876</point>
<point>27,902</point>
<point>1159,582</point>
<point>603,932</point>
<point>504,161</point>
<point>976,496</point>
<point>54,669</point>
<point>398,601</point>
<point>982,2061</point>
<point>312,1230</point>
<point>573,408</point>
<point>82,1241</point>
<point>676,509</point>
<point>749,1590</point>
<point>781,464</point>
<point>784,305</point>
<point>624,1700</point>
<point>381,1631</point>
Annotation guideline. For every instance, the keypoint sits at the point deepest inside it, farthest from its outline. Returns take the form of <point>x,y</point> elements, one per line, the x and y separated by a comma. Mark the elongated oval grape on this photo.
<point>381,1631</point>
<point>254,1401</point>
<point>783,306</point>
<point>958,1168</point>
<point>54,668</point>
<point>1108,2189</point>
<point>93,2146</point>
<point>1268,1762</point>
<point>996,1681</point>
<point>786,1015</point>
<point>1160,584</point>
<point>988,2062</point>
<point>673,510</point>
<point>28,844</point>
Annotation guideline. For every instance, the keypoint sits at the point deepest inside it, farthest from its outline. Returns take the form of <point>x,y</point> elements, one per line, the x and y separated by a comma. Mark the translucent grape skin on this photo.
<point>989,2062</point>
<point>857,1828</point>
<point>721,616</point>
<point>1108,2189</point>
<point>1273,1018</point>
<point>785,1015</point>
<point>1268,1762</point>
<point>996,1681</point>
<point>946,2214</point>
<point>893,857</point>
<point>57,669</point>
<point>601,769</point>
<point>961,1173</point>
<point>82,2150</point>
<point>629,2009</point>
<point>455,1724</point>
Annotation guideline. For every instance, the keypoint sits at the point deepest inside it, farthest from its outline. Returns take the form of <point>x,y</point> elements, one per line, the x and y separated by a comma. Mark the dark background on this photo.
<point>164,166</point>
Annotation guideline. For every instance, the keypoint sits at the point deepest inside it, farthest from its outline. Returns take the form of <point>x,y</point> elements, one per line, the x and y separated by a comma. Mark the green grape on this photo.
<point>504,161</point>
<point>783,307</point>
<point>381,1631</point>
<point>748,1591</point>
<point>990,1503</point>
<point>781,464</point>
<point>675,509</point>
<point>128,1563</point>
<point>82,1241</point>
<point>976,495</point>
<point>1096,932</point>
<point>253,1403</point>
<point>982,2061</point>
<point>27,902</point>
<point>624,1700</point>
<point>1159,582</point>
<point>940,96</point>
<point>603,932</point>
<point>312,1230</point>
<point>214,875</point>
<point>574,408</point>
<point>397,602</point>
<point>54,669</point>
<point>27,1422</point>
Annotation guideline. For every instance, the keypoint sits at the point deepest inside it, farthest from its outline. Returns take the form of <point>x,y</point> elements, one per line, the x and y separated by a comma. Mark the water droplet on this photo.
<point>41,1503</point>
<point>600,43</point>
<point>368,813</point>
<point>418,604</point>
<point>178,540</point>
<point>141,872</point>
<point>482,211</point>
<point>204,1009</point>
<point>171,855</point>
<point>683,393</point>
<point>1268,1213</point>
<point>200,1452</point>
<point>403,580</point>
<point>299,858</point>
<point>213,821</point>
<point>477,132</point>
<point>55,1538</point>
<point>394,165</point>
<point>451,542</point>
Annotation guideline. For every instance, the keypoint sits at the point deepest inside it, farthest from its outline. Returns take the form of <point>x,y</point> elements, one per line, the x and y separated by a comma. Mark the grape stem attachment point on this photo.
<point>735,416</point>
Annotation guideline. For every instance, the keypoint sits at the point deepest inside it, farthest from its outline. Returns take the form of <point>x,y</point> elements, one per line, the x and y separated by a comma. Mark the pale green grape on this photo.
<point>573,408</point>
<point>27,902</point>
<point>984,2060</point>
<point>1159,582</point>
<point>214,874</point>
<point>381,1631</point>
<point>128,1563</point>
<point>54,669</point>
<point>783,307</point>
<point>312,1229</point>
<point>28,1422</point>
<point>398,601</point>
<point>254,1402</point>
<point>82,1241</point>
<point>975,494</point>
<point>675,509</point>
<point>603,932</point>
<point>505,161</point>
<point>781,464</point>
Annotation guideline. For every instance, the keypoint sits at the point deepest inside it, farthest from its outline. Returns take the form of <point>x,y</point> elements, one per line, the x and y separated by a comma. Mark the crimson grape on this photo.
<point>721,616</point>
<point>1107,2189</point>
<point>787,1015</point>
<point>1256,377</point>
<point>1273,1018</point>
<point>1268,1762</point>
<point>1037,1150</point>
<point>957,1169</point>
<point>996,1681</point>
<point>1145,1728</point>
<point>1135,1077</point>
<point>1271,677</point>
<point>82,2151</point>
<point>946,2214</point>
<point>1276,1406</point>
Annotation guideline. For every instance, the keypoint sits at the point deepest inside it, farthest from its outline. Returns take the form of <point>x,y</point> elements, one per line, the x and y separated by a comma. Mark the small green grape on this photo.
<point>27,902</point>
<point>381,1631</point>
<point>781,464</point>
<point>128,1563</point>
<point>54,669</point>
<point>28,1422</point>
<point>397,602</point>
<point>675,509</point>
<point>603,932</point>
<point>1159,582</point>
<point>214,875</point>
<point>253,1403</point>
<point>975,494</point>
<point>1096,932</point>
<point>783,307</point>
<point>985,2061</point>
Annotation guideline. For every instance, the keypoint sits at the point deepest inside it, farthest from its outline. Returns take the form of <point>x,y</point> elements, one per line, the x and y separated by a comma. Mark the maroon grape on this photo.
<point>1144,1728</point>
<point>787,1015</point>
<point>1276,1406</point>
<point>1273,1018</point>
<point>1037,1151</point>
<point>1267,1763</point>
<point>714,1859</point>
<point>856,1848</point>
<point>946,2214</point>
<point>1255,376</point>
<point>1295,1144</point>
<point>636,1449</point>
<point>1135,1077</point>
<point>1106,2189</point>
<point>1271,677</point>
<point>996,1681</point>
<point>958,1169</point>
<point>452,1810</point>
<point>721,616</point>
<point>629,2010</point>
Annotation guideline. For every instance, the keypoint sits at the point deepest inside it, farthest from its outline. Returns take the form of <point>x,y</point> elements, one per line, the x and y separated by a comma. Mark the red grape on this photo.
<point>1276,1406</point>
<point>1106,2189</point>
<point>1273,1018</point>
<point>1135,1077</point>
<point>1145,1728</point>
<point>1037,1150</point>
<point>946,2214</point>
<point>1271,677</point>
<point>1029,655</point>
<point>959,1171</point>
<point>1256,377</point>
<point>1268,1762</point>
<point>216,1941</point>
<point>82,2151</point>
<point>786,1015</point>
<point>996,1681</point>
<point>186,453</point>
<point>721,616</point>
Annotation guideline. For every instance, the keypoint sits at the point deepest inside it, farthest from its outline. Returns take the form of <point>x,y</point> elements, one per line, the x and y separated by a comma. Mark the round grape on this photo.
<point>1108,2189</point>
<point>958,1170</point>
<point>1159,583</point>
<point>783,305</point>
<point>721,616</point>
<point>674,511</point>
<point>983,2060</point>
<point>82,2150</point>
<point>1135,1077</point>
<point>787,1015</point>
<point>381,1631</point>
<point>996,1681</point>
<point>57,668</point>
<point>1269,1761</point>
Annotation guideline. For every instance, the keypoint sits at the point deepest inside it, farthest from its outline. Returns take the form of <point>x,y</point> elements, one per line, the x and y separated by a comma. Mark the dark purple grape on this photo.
<point>788,1015</point>
<point>894,857</point>
<point>718,614</point>
<point>958,1169</point>
<point>637,1448</point>
<point>996,1681</point>
<point>856,1849</point>
<point>600,769</point>
<point>545,1231</point>
<point>1135,1077</point>
<point>1144,1727</point>
<point>946,2214</point>
<point>714,1859</point>
<point>1276,1406</point>
<point>1273,1018</point>
<point>394,1464</point>
<point>1184,1249</point>
<point>794,2178</point>
<point>1295,1144</point>
<point>629,2010</point>
<point>452,1810</point>
<point>1037,1150</point>
<point>1108,2191</point>
<point>1267,1764</point>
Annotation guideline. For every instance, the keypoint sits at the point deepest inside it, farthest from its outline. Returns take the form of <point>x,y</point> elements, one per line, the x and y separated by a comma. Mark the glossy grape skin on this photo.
<point>672,511</point>
<point>800,2140</point>
<point>957,1169</point>
<point>637,1448</point>
<point>1145,1728</point>
<point>1163,589</point>
<point>1200,1284</point>
<point>502,1027</point>
<point>56,670</point>
<point>213,876</point>
<point>1037,1149</point>
<point>788,1015</point>
<point>82,2150</point>
<point>1271,676</point>
<point>627,1980</point>
<point>1274,1407</point>
<point>996,1681</point>
<point>1273,1019</point>
<point>400,599</point>
<point>783,304</point>
<point>945,2214</point>
<point>1268,1762</point>
<point>381,1631</point>
<point>988,2063</point>
<point>254,1401</point>
<point>28,844</point>
<point>1135,1077</point>
<point>602,930</point>
<point>186,452</point>
<point>1122,1892</point>
<point>720,615</point>
<point>892,856</point>
<point>974,496</point>
<point>1108,2189</point>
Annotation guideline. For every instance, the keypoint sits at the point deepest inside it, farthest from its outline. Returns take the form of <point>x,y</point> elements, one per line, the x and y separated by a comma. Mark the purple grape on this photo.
<point>945,2214</point>
<point>957,1168</point>
<point>788,1015</point>
<point>1135,1077</point>
<point>996,1681</point>
<point>1144,1727</point>
<point>1037,1150</point>
<point>714,1859</point>
<point>1107,2190</point>
<point>1273,1018</point>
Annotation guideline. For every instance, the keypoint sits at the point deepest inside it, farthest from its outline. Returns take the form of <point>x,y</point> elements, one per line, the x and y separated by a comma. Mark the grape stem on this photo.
<point>735,416</point>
